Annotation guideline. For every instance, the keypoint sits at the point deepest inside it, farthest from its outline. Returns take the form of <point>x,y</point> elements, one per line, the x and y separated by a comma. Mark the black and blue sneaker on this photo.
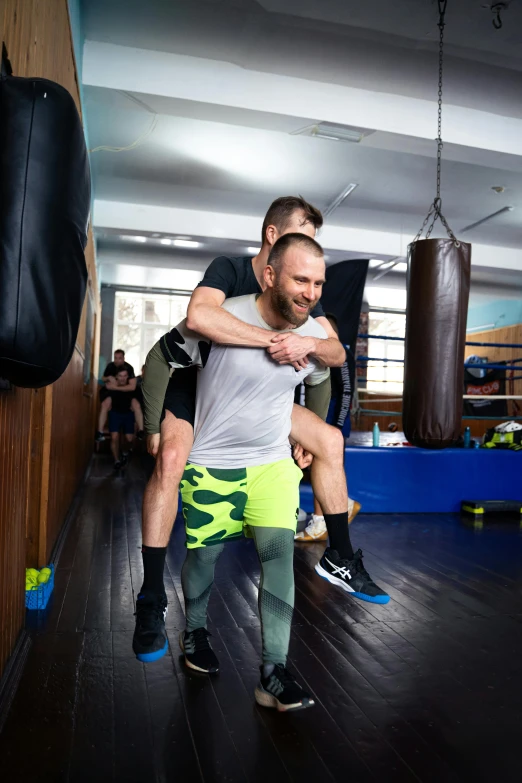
<point>351,576</point>
<point>150,641</point>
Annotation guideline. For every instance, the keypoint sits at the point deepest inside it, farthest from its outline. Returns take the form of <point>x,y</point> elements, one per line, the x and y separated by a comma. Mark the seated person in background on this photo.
<point>338,416</point>
<point>121,417</point>
<point>108,378</point>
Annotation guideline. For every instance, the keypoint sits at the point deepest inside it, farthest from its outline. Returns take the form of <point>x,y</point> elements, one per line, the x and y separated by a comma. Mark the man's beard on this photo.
<point>283,304</point>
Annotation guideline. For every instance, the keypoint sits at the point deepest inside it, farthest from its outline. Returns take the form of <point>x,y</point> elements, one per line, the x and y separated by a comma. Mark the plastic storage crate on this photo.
<point>39,598</point>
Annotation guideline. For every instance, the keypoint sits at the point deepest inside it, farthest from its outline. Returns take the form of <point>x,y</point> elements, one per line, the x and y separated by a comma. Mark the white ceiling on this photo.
<point>223,142</point>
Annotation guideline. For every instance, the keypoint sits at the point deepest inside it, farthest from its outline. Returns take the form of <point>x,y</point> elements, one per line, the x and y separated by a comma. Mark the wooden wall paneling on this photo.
<point>14,448</point>
<point>45,473</point>
<point>71,444</point>
<point>40,475</point>
<point>34,478</point>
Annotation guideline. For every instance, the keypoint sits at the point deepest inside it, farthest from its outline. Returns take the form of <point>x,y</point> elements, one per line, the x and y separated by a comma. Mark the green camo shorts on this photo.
<point>218,502</point>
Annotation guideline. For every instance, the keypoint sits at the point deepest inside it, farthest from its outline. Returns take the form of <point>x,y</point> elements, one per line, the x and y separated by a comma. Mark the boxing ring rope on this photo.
<point>512,367</point>
<point>476,345</point>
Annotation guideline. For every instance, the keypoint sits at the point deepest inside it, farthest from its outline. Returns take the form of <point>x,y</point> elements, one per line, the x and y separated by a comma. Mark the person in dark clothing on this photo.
<point>121,417</point>
<point>342,379</point>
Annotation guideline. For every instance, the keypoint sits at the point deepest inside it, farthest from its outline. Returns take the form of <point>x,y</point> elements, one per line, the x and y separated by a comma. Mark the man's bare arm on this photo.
<point>206,316</point>
<point>113,386</point>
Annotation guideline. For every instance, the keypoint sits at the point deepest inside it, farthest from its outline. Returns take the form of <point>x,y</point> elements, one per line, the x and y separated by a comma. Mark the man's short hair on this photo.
<point>119,350</point>
<point>293,240</point>
<point>281,210</point>
<point>122,370</point>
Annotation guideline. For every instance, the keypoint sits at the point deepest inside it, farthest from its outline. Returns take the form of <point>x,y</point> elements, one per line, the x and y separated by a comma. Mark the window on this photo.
<point>386,377</point>
<point>141,319</point>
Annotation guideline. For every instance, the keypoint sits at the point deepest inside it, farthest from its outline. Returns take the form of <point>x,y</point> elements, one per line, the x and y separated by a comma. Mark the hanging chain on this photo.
<point>434,212</point>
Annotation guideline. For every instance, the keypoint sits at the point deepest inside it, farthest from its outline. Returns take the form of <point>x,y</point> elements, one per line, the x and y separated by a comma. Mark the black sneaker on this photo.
<point>351,576</point>
<point>99,437</point>
<point>118,464</point>
<point>281,691</point>
<point>199,655</point>
<point>150,638</point>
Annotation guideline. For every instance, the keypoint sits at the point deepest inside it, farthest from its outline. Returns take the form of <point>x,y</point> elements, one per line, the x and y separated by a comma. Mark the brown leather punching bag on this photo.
<point>436,315</point>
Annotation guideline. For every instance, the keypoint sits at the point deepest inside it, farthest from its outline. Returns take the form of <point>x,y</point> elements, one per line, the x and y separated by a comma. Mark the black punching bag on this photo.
<point>436,315</point>
<point>44,212</point>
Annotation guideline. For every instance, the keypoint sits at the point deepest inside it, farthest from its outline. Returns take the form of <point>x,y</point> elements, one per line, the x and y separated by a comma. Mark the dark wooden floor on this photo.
<point>428,688</point>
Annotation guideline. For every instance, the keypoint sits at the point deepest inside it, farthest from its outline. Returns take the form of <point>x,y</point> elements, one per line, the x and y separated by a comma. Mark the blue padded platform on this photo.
<point>401,480</point>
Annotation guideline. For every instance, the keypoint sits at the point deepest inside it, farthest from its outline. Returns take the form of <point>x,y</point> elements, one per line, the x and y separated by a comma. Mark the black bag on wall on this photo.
<point>44,212</point>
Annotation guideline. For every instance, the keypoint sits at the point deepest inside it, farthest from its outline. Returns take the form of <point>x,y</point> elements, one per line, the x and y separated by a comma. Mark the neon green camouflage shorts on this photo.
<point>218,503</point>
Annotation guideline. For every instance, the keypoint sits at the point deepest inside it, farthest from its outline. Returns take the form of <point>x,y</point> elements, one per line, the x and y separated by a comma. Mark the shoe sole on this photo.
<point>192,666</point>
<point>334,580</point>
<point>324,536</point>
<point>309,540</point>
<point>153,656</point>
<point>355,510</point>
<point>265,699</point>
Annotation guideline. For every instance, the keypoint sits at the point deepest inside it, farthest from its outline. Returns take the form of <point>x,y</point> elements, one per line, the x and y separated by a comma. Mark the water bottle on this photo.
<point>467,438</point>
<point>376,434</point>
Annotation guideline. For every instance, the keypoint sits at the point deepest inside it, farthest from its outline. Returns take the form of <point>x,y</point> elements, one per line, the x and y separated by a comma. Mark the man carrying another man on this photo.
<point>121,417</point>
<point>240,471</point>
<point>228,277</point>
<point>109,379</point>
<point>330,482</point>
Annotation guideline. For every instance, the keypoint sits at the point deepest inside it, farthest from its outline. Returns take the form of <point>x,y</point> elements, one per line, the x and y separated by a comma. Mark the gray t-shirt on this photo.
<point>244,398</point>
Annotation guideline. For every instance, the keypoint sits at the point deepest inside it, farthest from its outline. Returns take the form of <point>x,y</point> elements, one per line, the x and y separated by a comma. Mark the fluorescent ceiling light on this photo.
<point>482,328</point>
<point>185,243</point>
<point>327,130</point>
<point>254,250</point>
<point>165,241</point>
<point>489,217</point>
<point>384,267</point>
<point>338,200</point>
<point>133,238</point>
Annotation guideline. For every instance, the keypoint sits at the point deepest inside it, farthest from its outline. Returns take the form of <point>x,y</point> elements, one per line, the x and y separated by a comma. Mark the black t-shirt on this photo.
<point>121,401</point>
<point>113,370</point>
<point>235,277</point>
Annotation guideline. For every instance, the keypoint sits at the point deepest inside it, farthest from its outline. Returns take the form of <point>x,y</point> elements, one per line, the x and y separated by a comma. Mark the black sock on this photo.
<point>153,566</point>
<point>339,534</point>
